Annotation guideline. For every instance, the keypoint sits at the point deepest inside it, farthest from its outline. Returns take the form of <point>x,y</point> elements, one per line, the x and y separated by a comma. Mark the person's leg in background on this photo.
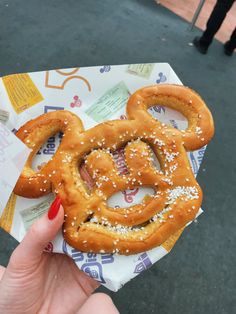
<point>213,24</point>
<point>231,44</point>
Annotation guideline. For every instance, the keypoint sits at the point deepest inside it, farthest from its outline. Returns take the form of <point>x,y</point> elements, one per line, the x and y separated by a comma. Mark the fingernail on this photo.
<point>54,208</point>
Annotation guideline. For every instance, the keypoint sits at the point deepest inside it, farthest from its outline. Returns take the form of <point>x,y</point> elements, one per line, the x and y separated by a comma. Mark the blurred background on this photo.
<point>198,276</point>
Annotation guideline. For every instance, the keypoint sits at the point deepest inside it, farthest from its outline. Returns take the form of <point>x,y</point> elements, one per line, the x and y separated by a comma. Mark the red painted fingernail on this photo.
<point>54,208</point>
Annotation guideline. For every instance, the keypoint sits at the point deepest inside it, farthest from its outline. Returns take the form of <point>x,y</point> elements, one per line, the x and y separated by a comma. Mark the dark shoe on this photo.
<point>228,49</point>
<point>199,46</point>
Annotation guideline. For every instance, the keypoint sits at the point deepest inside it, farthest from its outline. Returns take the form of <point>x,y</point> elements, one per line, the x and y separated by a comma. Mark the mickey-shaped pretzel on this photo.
<point>90,224</point>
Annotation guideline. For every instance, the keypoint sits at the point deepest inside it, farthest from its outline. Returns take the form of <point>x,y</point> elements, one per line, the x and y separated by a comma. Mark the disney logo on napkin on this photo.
<point>13,155</point>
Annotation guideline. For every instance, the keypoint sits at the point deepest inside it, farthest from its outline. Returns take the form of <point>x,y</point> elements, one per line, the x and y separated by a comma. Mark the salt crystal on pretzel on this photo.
<point>90,224</point>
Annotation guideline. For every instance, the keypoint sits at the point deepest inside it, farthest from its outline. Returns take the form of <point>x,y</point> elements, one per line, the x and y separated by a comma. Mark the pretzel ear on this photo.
<point>200,122</point>
<point>34,134</point>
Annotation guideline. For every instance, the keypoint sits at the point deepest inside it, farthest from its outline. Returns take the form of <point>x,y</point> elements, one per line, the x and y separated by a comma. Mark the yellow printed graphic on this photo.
<point>21,91</point>
<point>8,214</point>
<point>169,243</point>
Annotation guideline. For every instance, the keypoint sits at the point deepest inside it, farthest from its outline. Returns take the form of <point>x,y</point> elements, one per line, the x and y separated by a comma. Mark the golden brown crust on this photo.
<point>90,224</point>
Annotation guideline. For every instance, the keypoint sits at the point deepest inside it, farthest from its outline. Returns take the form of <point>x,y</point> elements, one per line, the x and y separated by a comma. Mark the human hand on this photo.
<point>39,282</point>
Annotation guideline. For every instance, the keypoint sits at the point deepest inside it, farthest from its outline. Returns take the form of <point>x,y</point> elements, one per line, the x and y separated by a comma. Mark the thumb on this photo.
<point>44,230</point>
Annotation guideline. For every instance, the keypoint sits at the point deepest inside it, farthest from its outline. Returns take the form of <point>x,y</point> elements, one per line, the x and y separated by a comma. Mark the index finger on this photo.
<point>2,271</point>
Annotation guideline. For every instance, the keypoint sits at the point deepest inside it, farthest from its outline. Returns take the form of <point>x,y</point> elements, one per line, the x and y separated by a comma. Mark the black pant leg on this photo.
<point>232,41</point>
<point>215,20</point>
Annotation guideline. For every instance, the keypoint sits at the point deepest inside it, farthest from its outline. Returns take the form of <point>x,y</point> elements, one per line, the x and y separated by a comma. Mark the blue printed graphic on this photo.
<point>105,68</point>
<point>77,255</point>
<point>193,163</point>
<point>174,124</point>
<point>201,153</point>
<point>64,247</point>
<point>50,147</point>
<point>196,160</point>
<point>107,258</point>
<point>94,270</point>
<point>90,263</point>
<point>162,78</point>
<point>14,130</point>
<point>144,263</point>
<point>158,109</point>
<point>52,108</point>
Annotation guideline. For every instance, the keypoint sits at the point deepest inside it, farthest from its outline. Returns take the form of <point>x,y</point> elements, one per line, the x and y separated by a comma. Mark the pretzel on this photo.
<point>90,224</point>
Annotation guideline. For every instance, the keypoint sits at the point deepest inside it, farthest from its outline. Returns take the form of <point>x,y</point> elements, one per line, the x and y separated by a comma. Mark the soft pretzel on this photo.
<point>90,224</point>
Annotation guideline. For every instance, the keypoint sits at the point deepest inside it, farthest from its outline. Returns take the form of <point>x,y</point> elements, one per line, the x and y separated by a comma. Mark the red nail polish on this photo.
<point>54,208</point>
